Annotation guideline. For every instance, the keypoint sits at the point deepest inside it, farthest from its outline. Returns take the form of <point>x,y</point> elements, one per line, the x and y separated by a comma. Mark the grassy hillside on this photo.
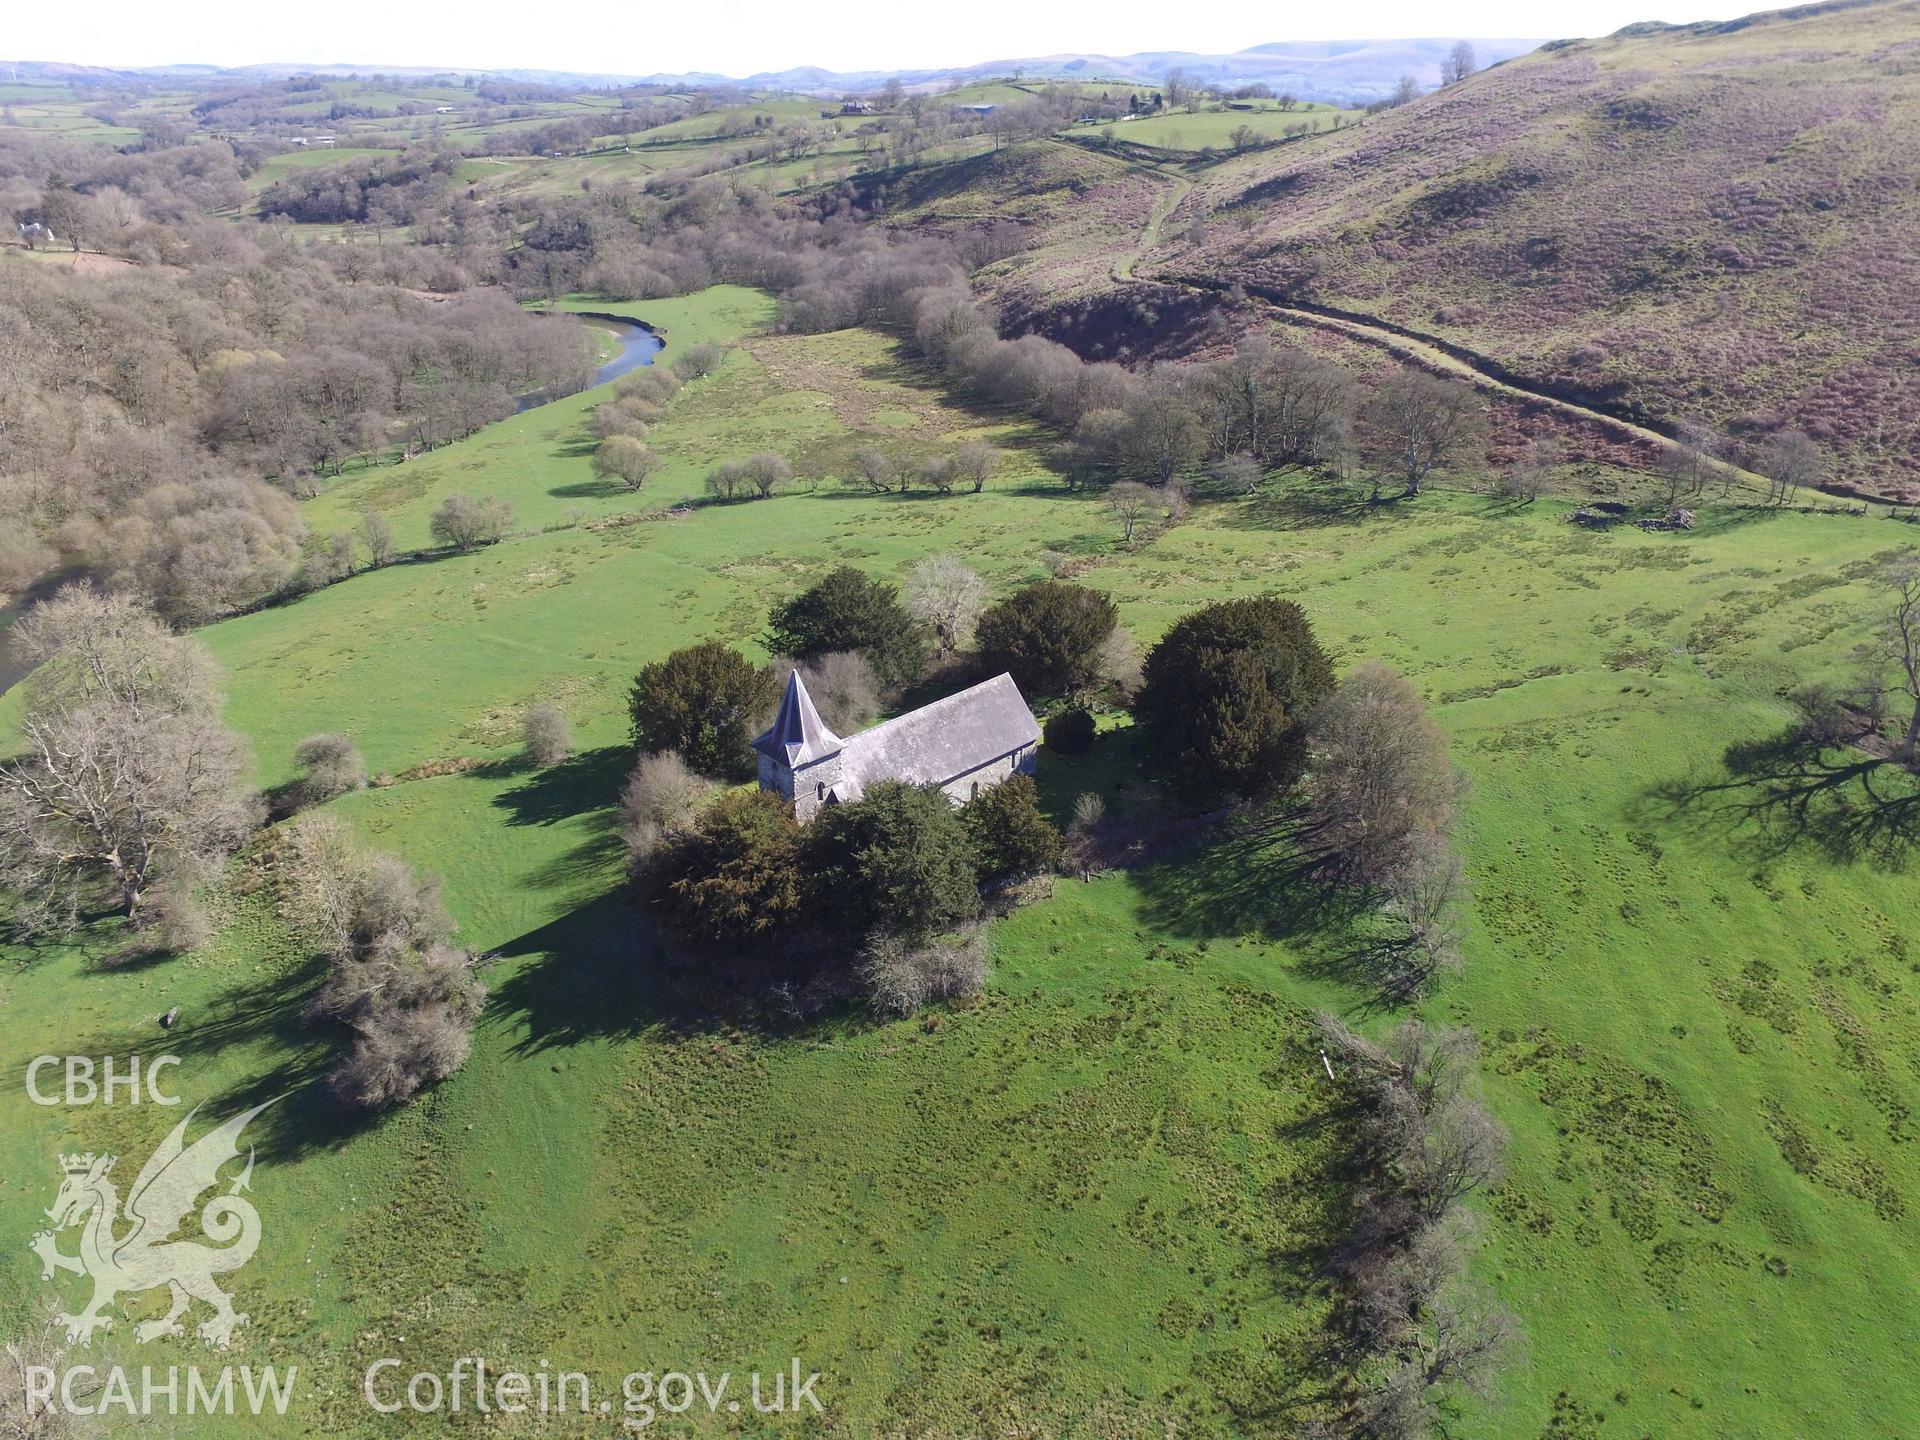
<point>1080,211</point>
<point>1712,222</point>
<point>1096,1202</point>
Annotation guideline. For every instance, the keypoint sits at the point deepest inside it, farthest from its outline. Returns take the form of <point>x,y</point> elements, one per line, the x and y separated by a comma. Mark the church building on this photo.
<point>965,743</point>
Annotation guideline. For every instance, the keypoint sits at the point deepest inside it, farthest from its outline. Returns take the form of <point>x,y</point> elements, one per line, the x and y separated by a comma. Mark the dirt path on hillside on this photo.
<point>1150,232</point>
<point>1428,352</point>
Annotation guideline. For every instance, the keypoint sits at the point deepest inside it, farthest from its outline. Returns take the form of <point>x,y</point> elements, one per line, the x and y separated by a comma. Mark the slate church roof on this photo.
<point>798,736</point>
<point>929,746</point>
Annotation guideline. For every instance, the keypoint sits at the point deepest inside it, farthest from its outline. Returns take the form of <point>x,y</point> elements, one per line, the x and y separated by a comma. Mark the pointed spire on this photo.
<point>798,735</point>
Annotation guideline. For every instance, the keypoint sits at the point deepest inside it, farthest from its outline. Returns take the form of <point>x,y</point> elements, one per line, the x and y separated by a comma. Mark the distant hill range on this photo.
<point>1313,70</point>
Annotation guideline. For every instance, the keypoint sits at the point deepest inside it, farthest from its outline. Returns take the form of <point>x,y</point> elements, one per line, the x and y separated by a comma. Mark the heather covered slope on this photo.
<point>1709,222</point>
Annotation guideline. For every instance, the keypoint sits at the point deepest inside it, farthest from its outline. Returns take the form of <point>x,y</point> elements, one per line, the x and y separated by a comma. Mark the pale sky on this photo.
<point>740,37</point>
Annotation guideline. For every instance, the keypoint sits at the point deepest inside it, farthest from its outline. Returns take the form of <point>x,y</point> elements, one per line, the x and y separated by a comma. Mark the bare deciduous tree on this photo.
<point>1527,476</point>
<point>1379,773</point>
<point>938,474</point>
<point>1427,891</point>
<point>844,688</point>
<point>125,770</point>
<point>467,524</point>
<point>1415,423</point>
<point>626,459</point>
<point>377,535</point>
<point>947,597</point>
<point>661,796</point>
<point>1133,505</point>
<point>900,977</point>
<point>975,462</point>
<point>1237,474</point>
<point>1459,64</point>
<point>1791,461</point>
<point>1901,639</point>
<point>1429,1144</point>
<point>199,551</point>
<point>410,996</point>
<point>766,472</point>
<point>25,1414</point>
<point>874,468</point>
<point>332,767</point>
<point>1163,433</point>
<point>698,360</point>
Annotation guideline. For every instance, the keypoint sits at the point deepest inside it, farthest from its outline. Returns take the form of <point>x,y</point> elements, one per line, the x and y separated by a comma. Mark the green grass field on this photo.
<point>1179,130</point>
<point>277,167</point>
<point>1094,1202</point>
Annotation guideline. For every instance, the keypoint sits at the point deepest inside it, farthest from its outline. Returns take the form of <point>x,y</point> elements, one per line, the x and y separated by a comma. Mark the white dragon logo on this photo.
<point>147,1257</point>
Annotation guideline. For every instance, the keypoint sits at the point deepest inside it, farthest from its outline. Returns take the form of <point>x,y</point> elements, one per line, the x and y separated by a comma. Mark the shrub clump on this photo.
<point>1070,731</point>
<point>547,736</point>
<point>900,978</point>
<point>465,524</point>
<point>697,361</point>
<point>409,995</point>
<point>331,766</point>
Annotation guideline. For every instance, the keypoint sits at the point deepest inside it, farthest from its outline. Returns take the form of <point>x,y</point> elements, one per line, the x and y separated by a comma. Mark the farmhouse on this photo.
<point>964,743</point>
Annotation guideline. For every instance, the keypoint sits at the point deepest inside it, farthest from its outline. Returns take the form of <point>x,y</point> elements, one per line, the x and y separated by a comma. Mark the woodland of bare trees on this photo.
<point>155,418</point>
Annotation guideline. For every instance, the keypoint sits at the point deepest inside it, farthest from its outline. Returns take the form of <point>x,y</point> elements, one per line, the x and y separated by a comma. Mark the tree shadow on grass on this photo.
<point>1258,880</point>
<point>582,783</point>
<point>590,490</point>
<point>1306,503</point>
<point>1779,794</point>
<point>583,977</point>
<point>1266,881</point>
<point>265,1011</point>
<point>581,790</point>
<point>602,972</point>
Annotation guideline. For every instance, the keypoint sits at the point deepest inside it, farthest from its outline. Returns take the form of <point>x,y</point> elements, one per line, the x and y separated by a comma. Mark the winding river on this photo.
<point>638,346</point>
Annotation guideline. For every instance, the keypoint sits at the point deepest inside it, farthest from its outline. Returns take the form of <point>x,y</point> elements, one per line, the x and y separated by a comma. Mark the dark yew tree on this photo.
<point>1011,837</point>
<point>1048,636</point>
<point>1226,695</point>
<point>850,611</point>
<point>898,862</point>
<point>702,701</point>
<point>733,877</point>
